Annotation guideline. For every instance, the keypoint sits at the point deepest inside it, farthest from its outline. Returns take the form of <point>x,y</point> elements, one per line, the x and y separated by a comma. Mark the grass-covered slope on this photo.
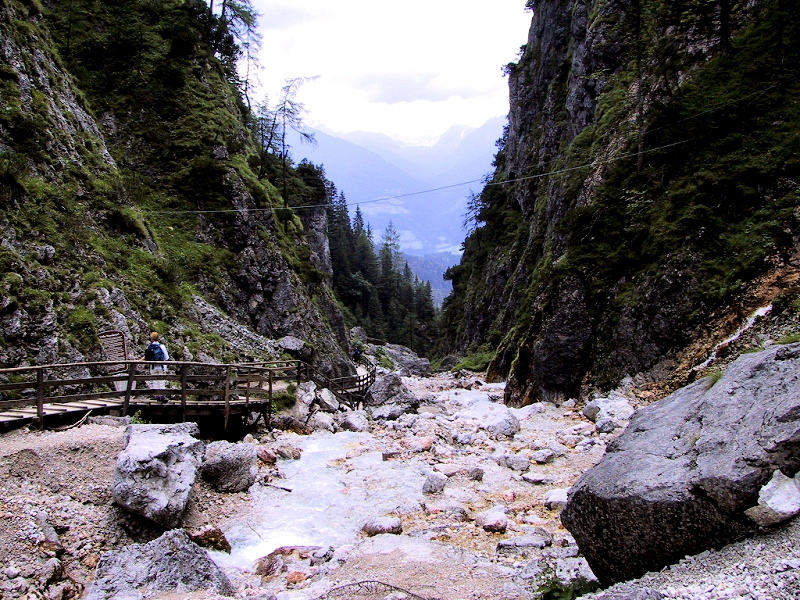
<point>119,122</point>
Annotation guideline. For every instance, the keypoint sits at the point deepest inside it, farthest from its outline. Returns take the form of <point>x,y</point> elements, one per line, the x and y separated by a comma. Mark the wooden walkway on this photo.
<point>62,391</point>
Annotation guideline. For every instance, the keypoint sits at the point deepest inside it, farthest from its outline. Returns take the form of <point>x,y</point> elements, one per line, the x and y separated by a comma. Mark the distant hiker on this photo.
<point>357,354</point>
<point>156,352</point>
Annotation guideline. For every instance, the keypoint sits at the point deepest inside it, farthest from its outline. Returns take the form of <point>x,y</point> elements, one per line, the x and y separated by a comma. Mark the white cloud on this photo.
<point>410,70</point>
<point>409,241</point>
<point>389,207</point>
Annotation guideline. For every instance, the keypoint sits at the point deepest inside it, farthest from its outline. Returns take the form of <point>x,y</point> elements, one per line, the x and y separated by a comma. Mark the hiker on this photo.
<point>156,351</point>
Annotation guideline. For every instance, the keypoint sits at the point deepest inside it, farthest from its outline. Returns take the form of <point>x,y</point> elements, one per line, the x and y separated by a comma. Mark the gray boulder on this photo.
<point>383,525</point>
<point>390,412</point>
<point>407,361</point>
<point>322,421</point>
<point>355,421</point>
<point>327,400</point>
<point>172,563</point>
<point>434,483</point>
<point>230,467</point>
<point>679,480</point>
<point>155,472</point>
<point>390,389</point>
<point>501,422</point>
<point>614,407</point>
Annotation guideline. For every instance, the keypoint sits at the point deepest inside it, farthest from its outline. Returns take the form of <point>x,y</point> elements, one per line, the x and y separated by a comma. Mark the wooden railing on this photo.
<point>217,384</point>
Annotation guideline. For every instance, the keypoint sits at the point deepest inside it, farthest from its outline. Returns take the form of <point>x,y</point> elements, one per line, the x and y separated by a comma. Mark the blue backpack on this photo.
<point>153,352</point>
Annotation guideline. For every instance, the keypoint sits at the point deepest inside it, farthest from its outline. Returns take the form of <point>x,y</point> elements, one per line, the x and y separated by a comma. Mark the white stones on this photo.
<point>778,501</point>
<point>543,456</point>
<point>434,483</point>
<point>383,525</point>
<point>556,498</point>
<point>493,520</point>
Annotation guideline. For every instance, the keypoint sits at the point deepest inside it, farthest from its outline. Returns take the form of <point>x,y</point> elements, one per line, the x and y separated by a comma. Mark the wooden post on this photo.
<point>227,396</point>
<point>40,396</point>
<point>247,393</point>
<point>131,377</point>
<point>299,366</point>
<point>184,368</point>
<point>270,387</point>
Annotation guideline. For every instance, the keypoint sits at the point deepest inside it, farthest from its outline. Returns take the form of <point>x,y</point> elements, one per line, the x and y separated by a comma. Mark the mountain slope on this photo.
<point>644,199</point>
<point>120,122</point>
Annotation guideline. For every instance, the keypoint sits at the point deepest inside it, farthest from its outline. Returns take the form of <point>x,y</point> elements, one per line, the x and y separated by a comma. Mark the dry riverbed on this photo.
<point>57,516</point>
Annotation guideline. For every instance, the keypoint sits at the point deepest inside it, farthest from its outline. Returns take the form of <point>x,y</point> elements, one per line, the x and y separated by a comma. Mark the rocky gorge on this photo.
<point>449,494</point>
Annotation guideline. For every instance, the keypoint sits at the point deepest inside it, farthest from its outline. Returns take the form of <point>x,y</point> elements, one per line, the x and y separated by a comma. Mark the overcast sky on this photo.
<point>408,69</point>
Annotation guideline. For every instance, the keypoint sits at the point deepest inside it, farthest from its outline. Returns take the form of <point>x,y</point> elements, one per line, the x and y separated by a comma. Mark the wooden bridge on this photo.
<point>186,390</point>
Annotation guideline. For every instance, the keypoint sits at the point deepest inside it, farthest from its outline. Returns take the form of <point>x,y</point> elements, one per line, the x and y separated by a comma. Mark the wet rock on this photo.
<point>211,537</point>
<point>355,421</point>
<point>230,467</point>
<point>679,479</point>
<point>434,483</point>
<point>270,565</point>
<point>322,555</point>
<point>155,472</point>
<point>383,525</point>
<point>493,520</point>
<point>172,563</point>
<point>778,501</point>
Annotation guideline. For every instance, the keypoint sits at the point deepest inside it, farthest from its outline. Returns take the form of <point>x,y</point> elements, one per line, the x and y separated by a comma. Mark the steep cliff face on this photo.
<point>645,183</point>
<point>127,200</point>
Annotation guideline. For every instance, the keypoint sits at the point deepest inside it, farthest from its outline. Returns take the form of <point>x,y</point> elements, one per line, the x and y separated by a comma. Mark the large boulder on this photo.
<point>156,470</point>
<point>172,563</point>
<point>230,467</point>
<point>390,389</point>
<point>680,478</point>
<point>407,361</point>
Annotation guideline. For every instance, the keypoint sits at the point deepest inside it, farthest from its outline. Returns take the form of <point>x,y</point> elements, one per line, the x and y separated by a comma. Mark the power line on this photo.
<point>507,181</point>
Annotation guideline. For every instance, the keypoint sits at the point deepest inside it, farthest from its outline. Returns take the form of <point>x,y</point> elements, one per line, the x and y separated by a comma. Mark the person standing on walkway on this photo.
<point>156,352</point>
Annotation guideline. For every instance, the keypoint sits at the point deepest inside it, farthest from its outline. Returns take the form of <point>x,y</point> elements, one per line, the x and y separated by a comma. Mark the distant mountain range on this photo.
<point>372,170</point>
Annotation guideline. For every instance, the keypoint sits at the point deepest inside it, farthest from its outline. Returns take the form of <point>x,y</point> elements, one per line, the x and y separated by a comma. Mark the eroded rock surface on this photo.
<point>679,480</point>
<point>155,472</point>
<point>230,467</point>
<point>172,563</point>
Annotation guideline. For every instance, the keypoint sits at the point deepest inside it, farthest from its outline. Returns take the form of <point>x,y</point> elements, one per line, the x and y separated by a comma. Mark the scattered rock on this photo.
<point>493,520</point>
<point>295,577</point>
<point>544,456</point>
<point>555,498</point>
<point>288,423</point>
<point>501,422</point>
<point>230,467</point>
<point>390,389</point>
<point>355,420</point>
<point>434,483</point>
<point>407,361</point>
<point>172,563</point>
<point>288,452</point>
<point>155,472</point>
<point>538,478</point>
<point>613,407</point>
<point>211,537</point>
<point>390,412</point>
<point>327,400</point>
<point>110,421</point>
<point>322,421</point>
<point>266,455</point>
<point>778,501</point>
<point>383,525</point>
